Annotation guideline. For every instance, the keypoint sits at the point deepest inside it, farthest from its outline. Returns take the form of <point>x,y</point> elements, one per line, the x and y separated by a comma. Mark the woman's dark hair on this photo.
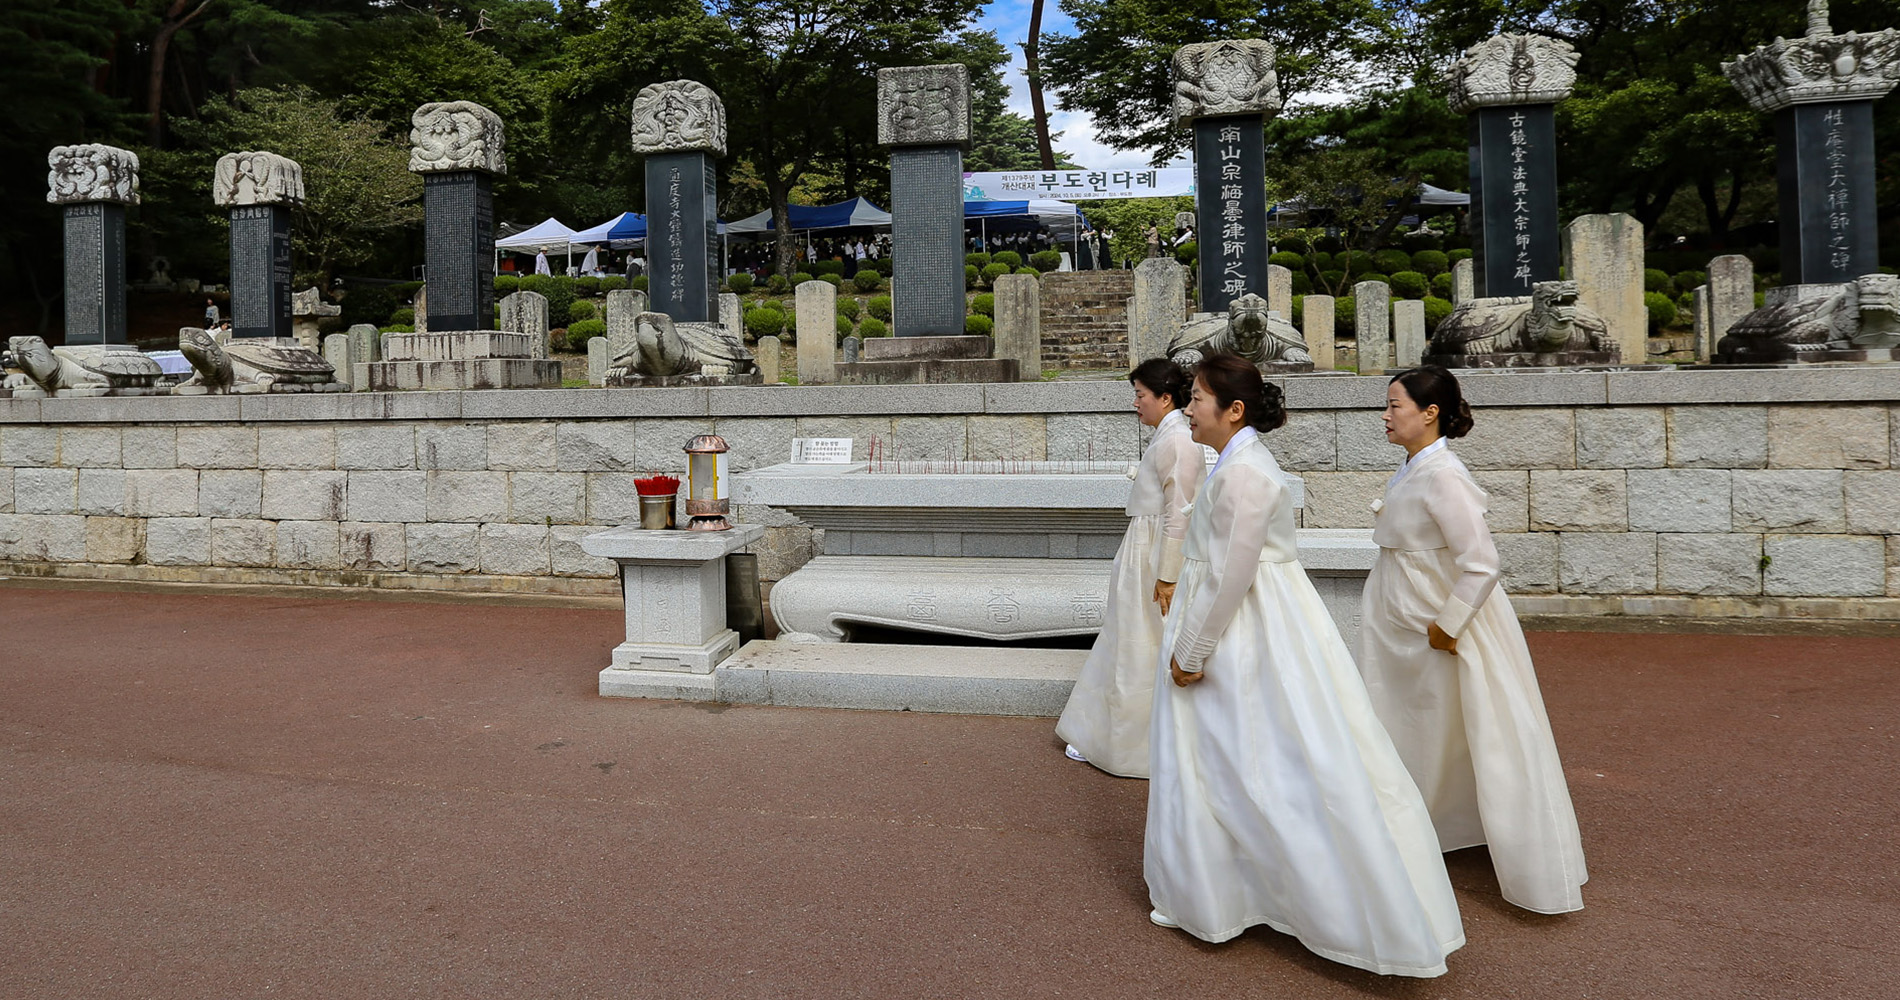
<point>1231,377</point>
<point>1430,385</point>
<point>1164,378</point>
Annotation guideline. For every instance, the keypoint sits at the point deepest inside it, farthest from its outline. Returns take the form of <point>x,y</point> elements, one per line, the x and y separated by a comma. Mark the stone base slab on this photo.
<point>35,392</point>
<point>926,348</point>
<point>253,389</point>
<point>457,345</point>
<point>482,373</point>
<point>669,685</point>
<point>671,658</point>
<point>1526,359</point>
<point>932,372</point>
<point>964,680</point>
<point>616,379</point>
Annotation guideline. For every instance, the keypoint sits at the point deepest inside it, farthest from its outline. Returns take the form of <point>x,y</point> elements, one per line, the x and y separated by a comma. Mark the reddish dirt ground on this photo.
<point>247,797</point>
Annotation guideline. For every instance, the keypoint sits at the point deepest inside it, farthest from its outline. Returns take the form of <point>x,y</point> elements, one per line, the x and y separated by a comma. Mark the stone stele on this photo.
<point>1512,69</point>
<point>679,116</point>
<point>1820,67</point>
<point>1233,77</point>
<point>92,172</point>
<point>455,135</point>
<point>256,179</point>
<point>924,105</point>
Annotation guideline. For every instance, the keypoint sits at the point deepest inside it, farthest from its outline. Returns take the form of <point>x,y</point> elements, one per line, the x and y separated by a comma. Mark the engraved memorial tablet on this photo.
<point>94,183</point>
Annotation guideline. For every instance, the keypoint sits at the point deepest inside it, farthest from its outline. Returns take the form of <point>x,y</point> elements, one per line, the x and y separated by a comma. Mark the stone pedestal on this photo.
<point>1018,327</point>
<point>674,584</point>
<point>1225,90</point>
<point>466,359</point>
<point>94,184</point>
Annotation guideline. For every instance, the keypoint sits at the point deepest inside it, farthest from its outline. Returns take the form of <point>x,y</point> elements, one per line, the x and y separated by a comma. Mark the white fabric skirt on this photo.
<point>1472,729</point>
<point>1107,714</point>
<point>1277,799</point>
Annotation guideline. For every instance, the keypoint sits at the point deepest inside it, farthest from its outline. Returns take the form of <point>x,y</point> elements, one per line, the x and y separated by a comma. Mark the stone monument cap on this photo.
<point>1512,69</point>
<point>679,116</point>
<point>92,172</point>
<point>1818,67</point>
<point>1232,77</point>
<point>257,179</point>
<point>454,136</point>
<point>924,105</point>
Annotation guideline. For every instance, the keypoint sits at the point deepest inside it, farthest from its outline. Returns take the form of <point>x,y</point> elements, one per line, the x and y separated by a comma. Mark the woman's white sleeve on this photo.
<point>1240,519</point>
<point>1458,505</point>
<point>1180,481</point>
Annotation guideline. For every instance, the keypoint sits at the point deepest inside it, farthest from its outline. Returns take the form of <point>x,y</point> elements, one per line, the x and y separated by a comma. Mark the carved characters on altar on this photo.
<point>454,136</point>
<point>1512,69</point>
<point>1234,77</point>
<point>679,116</point>
<point>92,172</point>
<point>257,179</point>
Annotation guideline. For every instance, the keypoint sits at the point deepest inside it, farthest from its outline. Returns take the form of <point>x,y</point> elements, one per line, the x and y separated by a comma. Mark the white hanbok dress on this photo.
<point>1276,797</point>
<point>1106,719</point>
<point>1471,727</point>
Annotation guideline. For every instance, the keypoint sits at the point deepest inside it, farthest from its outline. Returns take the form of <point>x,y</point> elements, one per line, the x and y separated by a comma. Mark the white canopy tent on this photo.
<point>546,237</point>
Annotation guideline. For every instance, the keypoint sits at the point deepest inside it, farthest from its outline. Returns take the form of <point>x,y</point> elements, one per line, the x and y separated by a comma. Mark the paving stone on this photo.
<point>371,546</point>
<point>1629,437</point>
<point>1825,566</point>
<point>149,447</point>
<point>243,542</point>
<point>1529,561</point>
<point>1360,444</point>
<point>521,447</point>
<point>293,446</point>
<point>547,497</point>
<point>101,491</point>
<point>443,548</point>
<point>89,447</point>
<point>217,447</point>
<point>452,447</point>
<point>45,491</point>
<point>1872,501</point>
<point>375,446</point>
<point>1709,564</point>
<point>230,493</point>
<point>596,446</point>
<point>43,537</point>
<point>1827,437</point>
<point>468,496</point>
<point>1691,500</point>
<point>308,545</point>
<point>388,496</point>
<point>1607,562</point>
<point>1579,500</point>
<point>1307,442</point>
<point>25,445</point>
<point>514,549</point>
<point>1510,492</point>
<point>1717,437</point>
<point>1519,439</point>
<point>178,541</point>
<point>114,539</point>
<point>1341,499</point>
<point>158,493</point>
<point>1788,500</point>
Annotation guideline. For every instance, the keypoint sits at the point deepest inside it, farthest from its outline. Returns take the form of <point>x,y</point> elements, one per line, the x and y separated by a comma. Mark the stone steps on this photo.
<point>1085,318</point>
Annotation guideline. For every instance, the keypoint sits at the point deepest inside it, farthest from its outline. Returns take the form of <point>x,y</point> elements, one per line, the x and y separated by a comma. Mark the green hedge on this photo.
<point>871,326</point>
<point>505,284</point>
<point>776,284</point>
<point>1436,309</point>
<point>1392,261</point>
<point>1010,257</point>
<point>403,317</point>
<point>799,278</point>
<point>977,326</point>
<point>849,307</point>
<point>1410,285</point>
<point>612,283</point>
<point>582,310</point>
<point>972,275</point>
<point>1345,314</point>
<point>1289,260</point>
<point>1454,256</point>
<point>832,280</point>
<point>1662,309</point>
<point>1656,279</point>
<point>1441,285</point>
<point>844,327</point>
<point>879,307</point>
<point>739,283</point>
<point>984,304</point>
<point>867,280</point>
<point>977,260</point>
<point>1046,260</point>
<point>1431,263</point>
<point>580,331</point>
<point>587,285</point>
<point>764,322</point>
<point>994,271</point>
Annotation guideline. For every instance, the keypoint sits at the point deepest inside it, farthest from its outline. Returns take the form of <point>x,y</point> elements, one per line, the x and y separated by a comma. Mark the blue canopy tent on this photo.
<point>621,232</point>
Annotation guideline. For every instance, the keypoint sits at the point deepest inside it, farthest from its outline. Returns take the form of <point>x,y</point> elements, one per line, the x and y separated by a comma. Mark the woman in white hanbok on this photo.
<point>1447,667</point>
<point>1106,719</point>
<point>1276,798</point>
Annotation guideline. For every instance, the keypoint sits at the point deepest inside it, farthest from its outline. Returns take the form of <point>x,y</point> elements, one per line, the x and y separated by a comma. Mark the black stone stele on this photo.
<point>260,271</point>
<point>459,235</point>
<point>1514,228</point>
<point>927,240</point>
<point>1230,202</point>
<point>1824,163</point>
<point>95,273</point>
<point>683,236</point>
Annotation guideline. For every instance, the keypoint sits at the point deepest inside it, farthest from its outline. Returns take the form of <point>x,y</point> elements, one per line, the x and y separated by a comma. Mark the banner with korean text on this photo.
<point>1078,185</point>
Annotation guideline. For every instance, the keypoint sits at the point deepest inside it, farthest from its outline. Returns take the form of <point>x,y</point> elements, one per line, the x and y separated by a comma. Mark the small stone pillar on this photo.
<point>93,184</point>
<point>1603,254</point>
<point>850,348</point>
<point>1464,285</point>
<point>1018,328</point>
<point>336,350</point>
<point>1157,309</point>
<point>730,315</point>
<point>1408,332</point>
<point>1317,324</point>
<point>1225,91</point>
<point>1704,343</point>
<point>527,312</point>
<point>1371,316</point>
<point>817,319</point>
<point>598,360</point>
<point>680,126</point>
<point>767,355</point>
<point>260,189</point>
<point>1280,291</point>
<point>1509,86</point>
<point>1731,293</point>
<point>624,306</point>
<point>457,148</point>
<point>1821,88</point>
<point>923,114</point>
<point>674,583</point>
<point>366,343</point>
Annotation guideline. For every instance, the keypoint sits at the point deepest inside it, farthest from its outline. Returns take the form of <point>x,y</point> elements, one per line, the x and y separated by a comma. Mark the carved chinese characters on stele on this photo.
<point>1509,85</point>
<point>456,146</point>
<point>679,126</point>
<point>1224,90</point>
<point>259,188</point>
<point>93,184</point>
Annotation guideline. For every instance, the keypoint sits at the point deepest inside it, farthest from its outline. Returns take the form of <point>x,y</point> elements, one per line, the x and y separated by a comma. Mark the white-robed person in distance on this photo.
<point>1106,719</point>
<point>1276,798</point>
<point>1447,667</point>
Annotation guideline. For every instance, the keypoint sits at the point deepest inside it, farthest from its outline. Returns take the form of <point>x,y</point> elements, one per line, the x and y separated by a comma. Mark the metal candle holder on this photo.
<point>706,504</point>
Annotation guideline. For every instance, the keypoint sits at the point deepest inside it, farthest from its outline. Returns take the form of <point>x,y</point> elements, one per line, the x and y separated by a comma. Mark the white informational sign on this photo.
<point>821,451</point>
<point>1079,185</point>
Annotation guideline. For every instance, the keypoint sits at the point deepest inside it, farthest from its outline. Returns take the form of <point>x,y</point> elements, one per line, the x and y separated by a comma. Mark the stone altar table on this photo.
<point>674,586</point>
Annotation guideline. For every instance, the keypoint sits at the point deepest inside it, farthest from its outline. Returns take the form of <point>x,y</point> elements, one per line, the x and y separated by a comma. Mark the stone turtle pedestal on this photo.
<point>1549,328</point>
<point>466,359</point>
<point>674,584</point>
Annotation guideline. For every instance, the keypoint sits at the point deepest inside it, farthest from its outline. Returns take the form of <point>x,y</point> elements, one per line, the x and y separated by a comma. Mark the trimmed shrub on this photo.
<point>1046,260</point>
<point>739,283</point>
<point>1187,253</point>
<point>582,310</point>
<point>639,283</point>
<point>773,304</point>
<point>1431,263</point>
<point>849,307</point>
<point>398,328</point>
<point>505,284</point>
<point>1454,256</point>
<point>1441,285</point>
<point>557,339</point>
<point>972,275</point>
<point>403,317</point>
<point>984,305</point>
<point>1295,242</point>
<point>1028,270</point>
<point>558,289</point>
<point>1291,261</point>
<point>845,327</point>
<point>871,326</point>
<point>867,280</point>
<point>883,266</point>
<point>776,284</point>
<point>579,332</point>
<point>1298,318</point>
<point>995,271</point>
<point>764,322</point>
<point>1328,244</point>
<point>1334,282</point>
<point>1686,281</point>
<point>831,279</point>
<point>799,278</point>
<point>368,304</point>
<point>1302,285</point>
<point>977,326</point>
<point>1436,309</point>
<point>587,285</point>
<point>879,307</point>
<point>1392,261</point>
<point>1410,285</point>
<point>616,282</point>
<point>977,260</point>
<point>1319,262</point>
<point>821,267</point>
<point>1010,257</point>
<point>1371,276</point>
<point>1345,314</point>
<point>1662,309</point>
<point>1656,279</point>
<point>1359,262</point>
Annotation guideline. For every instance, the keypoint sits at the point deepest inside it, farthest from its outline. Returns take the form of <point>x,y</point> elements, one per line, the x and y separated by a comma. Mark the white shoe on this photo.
<point>1160,920</point>
<point>1075,755</point>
